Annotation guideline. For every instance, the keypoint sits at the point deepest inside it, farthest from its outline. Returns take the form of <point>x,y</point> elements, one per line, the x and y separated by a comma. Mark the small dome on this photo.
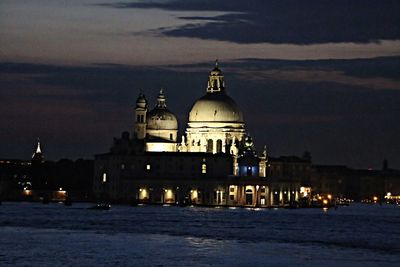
<point>215,107</point>
<point>161,119</point>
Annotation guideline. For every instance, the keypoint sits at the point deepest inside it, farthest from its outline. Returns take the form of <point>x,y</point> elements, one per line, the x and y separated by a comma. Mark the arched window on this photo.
<point>137,118</point>
<point>170,136</point>
<point>210,145</point>
<point>219,146</point>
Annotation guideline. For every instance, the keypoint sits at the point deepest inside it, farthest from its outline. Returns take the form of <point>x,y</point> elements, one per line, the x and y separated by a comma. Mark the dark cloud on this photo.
<point>77,110</point>
<point>285,21</point>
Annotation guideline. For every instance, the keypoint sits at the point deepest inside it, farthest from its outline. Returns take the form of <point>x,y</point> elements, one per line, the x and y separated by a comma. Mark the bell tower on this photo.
<point>38,157</point>
<point>140,117</point>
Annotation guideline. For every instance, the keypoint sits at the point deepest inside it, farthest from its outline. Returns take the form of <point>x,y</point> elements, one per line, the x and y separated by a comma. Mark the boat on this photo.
<point>100,206</point>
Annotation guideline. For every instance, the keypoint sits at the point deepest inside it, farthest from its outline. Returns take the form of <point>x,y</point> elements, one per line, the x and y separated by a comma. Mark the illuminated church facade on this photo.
<point>215,125</point>
<point>213,163</point>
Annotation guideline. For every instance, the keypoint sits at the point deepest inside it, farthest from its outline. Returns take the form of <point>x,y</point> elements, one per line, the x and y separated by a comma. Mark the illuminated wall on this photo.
<point>160,147</point>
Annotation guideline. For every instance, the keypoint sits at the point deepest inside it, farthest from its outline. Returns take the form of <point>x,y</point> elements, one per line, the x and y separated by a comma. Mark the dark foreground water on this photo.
<point>32,234</point>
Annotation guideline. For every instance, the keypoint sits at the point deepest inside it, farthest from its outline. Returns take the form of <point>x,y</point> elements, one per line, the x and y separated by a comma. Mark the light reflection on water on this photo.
<point>348,232</point>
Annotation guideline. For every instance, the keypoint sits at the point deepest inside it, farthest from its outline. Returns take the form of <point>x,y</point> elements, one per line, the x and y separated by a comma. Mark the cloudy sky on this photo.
<point>321,76</point>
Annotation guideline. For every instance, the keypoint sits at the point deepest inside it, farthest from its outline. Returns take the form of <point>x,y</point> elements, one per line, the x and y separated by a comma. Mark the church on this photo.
<point>213,163</point>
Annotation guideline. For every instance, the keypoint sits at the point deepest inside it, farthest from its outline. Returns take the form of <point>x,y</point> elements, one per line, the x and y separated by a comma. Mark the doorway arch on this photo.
<point>249,196</point>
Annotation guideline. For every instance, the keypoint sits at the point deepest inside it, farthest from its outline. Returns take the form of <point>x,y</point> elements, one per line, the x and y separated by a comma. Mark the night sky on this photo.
<point>320,76</point>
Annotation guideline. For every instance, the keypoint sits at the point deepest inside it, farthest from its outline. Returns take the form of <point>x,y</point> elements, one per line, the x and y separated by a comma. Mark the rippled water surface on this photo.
<point>33,234</point>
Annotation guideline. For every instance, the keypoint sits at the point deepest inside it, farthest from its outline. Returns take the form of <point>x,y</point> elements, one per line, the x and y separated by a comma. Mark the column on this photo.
<point>271,196</point>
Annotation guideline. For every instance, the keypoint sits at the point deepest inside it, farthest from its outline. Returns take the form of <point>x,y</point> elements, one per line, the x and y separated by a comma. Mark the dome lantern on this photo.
<point>161,100</point>
<point>215,80</point>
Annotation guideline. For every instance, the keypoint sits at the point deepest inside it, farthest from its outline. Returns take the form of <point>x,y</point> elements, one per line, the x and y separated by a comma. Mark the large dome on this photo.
<point>215,107</point>
<point>161,119</point>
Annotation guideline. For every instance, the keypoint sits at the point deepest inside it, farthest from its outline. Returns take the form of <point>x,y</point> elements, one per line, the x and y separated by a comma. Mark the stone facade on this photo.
<point>129,173</point>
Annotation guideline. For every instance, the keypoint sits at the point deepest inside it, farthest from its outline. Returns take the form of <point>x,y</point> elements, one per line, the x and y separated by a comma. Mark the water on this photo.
<point>33,234</point>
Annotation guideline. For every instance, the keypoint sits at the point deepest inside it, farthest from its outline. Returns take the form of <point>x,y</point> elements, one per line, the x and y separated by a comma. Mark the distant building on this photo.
<point>213,164</point>
<point>345,182</point>
<point>37,179</point>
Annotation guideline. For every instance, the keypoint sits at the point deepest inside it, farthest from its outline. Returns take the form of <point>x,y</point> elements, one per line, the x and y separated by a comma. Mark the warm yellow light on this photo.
<point>104,177</point>
<point>27,192</point>
<point>148,167</point>
<point>194,195</point>
<point>60,188</point>
<point>330,196</point>
<point>169,197</point>
<point>325,201</point>
<point>389,194</point>
<point>319,197</point>
<point>143,195</point>
<point>375,198</point>
<point>305,191</point>
<point>203,168</point>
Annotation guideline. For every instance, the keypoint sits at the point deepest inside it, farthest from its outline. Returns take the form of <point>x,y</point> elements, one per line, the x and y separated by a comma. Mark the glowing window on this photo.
<point>148,167</point>
<point>203,168</point>
<point>104,177</point>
